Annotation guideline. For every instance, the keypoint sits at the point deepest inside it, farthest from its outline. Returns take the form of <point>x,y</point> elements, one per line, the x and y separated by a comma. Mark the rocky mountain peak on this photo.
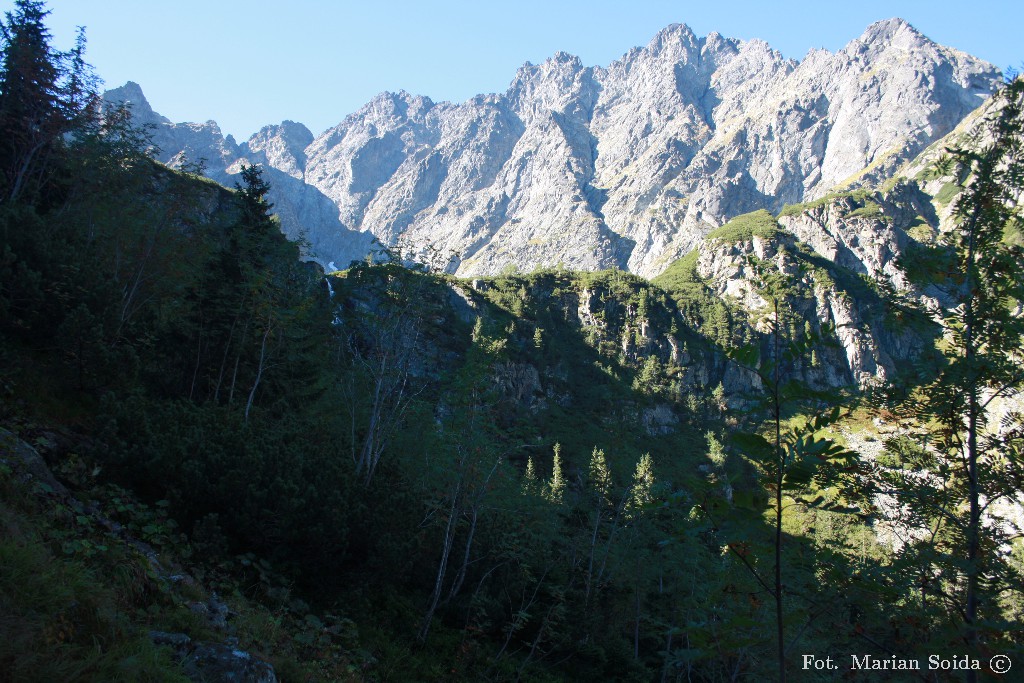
<point>889,43</point>
<point>671,37</point>
<point>672,45</point>
<point>894,31</point>
<point>282,146</point>
<point>628,165</point>
<point>131,95</point>
<point>390,107</point>
<point>561,84</point>
<point>561,57</point>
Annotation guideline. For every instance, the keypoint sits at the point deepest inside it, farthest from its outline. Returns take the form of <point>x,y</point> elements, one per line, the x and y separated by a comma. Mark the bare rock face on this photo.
<point>282,147</point>
<point>226,664</point>
<point>626,166</point>
<point>866,245</point>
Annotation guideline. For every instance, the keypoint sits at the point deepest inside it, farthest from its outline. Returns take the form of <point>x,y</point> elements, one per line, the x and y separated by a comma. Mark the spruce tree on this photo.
<point>43,95</point>
<point>556,486</point>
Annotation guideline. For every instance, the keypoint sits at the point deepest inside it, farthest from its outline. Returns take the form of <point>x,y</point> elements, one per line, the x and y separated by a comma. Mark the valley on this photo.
<point>682,368</point>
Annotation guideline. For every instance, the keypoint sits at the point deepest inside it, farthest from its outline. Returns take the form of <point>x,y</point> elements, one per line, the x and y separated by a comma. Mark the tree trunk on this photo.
<point>973,490</point>
<point>781,462</point>
<point>442,567</point>
<point>259,371</point>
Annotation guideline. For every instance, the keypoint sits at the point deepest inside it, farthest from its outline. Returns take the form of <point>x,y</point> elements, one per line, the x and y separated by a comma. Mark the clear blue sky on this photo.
<point>247,63</point>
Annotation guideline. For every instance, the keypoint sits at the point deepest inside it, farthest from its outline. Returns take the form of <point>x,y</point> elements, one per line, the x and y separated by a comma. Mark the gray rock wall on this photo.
<point>592,167</point>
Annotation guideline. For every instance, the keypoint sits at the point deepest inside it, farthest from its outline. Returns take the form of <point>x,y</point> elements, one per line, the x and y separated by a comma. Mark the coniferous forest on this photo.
<point>209,446</point>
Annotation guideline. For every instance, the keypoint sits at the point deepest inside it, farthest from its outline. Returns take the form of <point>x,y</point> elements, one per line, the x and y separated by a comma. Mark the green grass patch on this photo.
<point>922,232</point>
<point>63,622</point>
<point>947,193</point>
<point>890,184</point>
<point>758,223</point>
<point>681,274</point>
<point>861,197</point>
<point>869,210</point>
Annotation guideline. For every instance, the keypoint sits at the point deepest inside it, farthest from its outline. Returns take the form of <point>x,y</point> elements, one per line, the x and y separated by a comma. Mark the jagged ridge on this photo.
<point>626,166</point>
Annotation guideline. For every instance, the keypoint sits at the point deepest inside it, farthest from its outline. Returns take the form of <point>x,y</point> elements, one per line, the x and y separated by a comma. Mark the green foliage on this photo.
<point>55,610</point>
<point>599,477</point>
<point>870,210</point>
<point>965,463</point>
<point>254,314</point>
<point>480,478</point>
<point>45,97</point>
<point>642,491</point>
<point>861,200</point>
<point>794,464</point>
<point>742,228</point>
<point>176,325</point>
<point>83,586</point>
<point>701,308</point>
<point>926,263</point>
<point>556,486</point>
<point>947,193</point>
<point>680,274</point>
<point>67,591</point>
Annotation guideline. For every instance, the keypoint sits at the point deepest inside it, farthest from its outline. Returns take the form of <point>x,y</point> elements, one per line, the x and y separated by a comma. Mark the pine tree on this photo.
<point>599,477</point>
<point>530,477</point>
<point>254,312</point>
<point>556,486</point>
<point>643,483</point>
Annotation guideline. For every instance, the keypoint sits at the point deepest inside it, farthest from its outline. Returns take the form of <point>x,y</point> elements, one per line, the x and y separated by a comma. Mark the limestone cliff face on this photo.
<point>628,165</point>
<point>867,245</point>
<point>841,255</point>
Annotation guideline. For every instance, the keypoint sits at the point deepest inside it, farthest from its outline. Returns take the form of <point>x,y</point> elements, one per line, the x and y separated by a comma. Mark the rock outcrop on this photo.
<point>841,255</point>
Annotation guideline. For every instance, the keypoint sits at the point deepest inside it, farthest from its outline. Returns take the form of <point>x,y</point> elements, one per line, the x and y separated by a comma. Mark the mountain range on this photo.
<point>802,409</point>
<point>627,166</point>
